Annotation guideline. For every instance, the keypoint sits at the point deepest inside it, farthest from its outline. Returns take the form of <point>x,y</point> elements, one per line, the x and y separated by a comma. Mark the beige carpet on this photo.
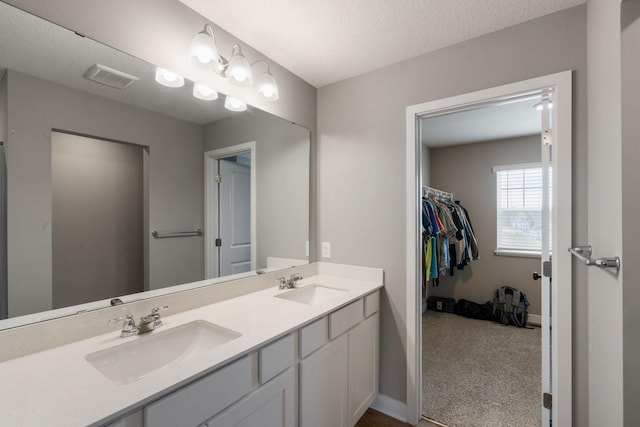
<point>478,373</point>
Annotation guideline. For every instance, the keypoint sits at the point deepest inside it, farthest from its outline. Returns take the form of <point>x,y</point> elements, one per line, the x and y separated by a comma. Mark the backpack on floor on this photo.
<point>510,306</point>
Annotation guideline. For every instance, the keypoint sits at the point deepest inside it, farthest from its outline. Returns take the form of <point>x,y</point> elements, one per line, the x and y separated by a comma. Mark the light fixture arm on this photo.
<point>208,26</point>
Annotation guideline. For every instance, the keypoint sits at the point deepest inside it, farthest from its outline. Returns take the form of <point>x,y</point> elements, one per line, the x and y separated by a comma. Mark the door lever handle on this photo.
<point>536,275</point>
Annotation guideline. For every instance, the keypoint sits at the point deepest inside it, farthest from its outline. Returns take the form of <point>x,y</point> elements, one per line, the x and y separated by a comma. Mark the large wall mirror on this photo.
<point>108,192</point>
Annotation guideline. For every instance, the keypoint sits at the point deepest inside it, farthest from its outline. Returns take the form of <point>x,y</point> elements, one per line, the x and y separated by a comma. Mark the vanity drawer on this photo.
<point>276,357</point>
<point>196,403</point>
<point>345,318</point>
<point>314,336</point>
<point>371,304</point>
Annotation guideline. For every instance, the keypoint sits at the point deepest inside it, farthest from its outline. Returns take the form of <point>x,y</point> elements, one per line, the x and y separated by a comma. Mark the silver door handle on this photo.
<point>583,253</point>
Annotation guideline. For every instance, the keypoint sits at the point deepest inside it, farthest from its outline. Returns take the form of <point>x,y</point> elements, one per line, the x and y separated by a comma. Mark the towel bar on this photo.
<point>583,253</point>
<point>157,235</point>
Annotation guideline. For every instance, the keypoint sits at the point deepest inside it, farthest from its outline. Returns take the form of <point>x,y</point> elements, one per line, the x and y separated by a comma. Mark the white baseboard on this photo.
<point>390,407</point>
<point>535,319</point>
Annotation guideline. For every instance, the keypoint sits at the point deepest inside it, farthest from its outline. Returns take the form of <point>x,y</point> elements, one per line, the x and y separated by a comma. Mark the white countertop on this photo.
<point>58,387</point>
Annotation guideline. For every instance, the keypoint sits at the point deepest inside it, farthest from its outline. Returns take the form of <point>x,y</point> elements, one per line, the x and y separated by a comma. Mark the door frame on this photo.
<point>561,319</point>
<point>211,217</point>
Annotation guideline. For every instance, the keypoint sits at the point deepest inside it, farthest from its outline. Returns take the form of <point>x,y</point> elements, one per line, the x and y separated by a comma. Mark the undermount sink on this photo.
<point>311,294</point>
<point>147,353</point>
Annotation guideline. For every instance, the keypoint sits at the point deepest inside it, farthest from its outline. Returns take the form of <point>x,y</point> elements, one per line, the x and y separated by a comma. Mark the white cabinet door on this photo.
<point>272,405</point>
<point>363,367</point>
<point>131,420</point>
<point>323,386</point>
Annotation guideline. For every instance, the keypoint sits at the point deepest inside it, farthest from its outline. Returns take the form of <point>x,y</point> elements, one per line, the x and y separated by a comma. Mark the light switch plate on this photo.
<point>326,250</point>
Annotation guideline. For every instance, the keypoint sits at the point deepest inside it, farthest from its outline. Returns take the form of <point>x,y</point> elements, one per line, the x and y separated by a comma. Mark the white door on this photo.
<point>545,257</point>
<point>235,217</point>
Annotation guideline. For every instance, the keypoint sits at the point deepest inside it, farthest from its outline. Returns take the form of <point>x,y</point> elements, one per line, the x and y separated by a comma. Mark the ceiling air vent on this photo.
<point>110,77</point>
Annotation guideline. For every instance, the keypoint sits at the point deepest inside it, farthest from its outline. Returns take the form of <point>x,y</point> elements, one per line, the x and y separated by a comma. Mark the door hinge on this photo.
<point>218,179</point>
<point>218,242</point>
<point>546,137</point>
<point>546,269</point>
<point>547,400</point>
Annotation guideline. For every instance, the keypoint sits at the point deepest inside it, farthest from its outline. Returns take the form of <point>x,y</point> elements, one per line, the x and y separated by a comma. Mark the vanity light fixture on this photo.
<point>168,78</point>
<point>204,92</point>
<point>237,70</point>
<point>234,104</point>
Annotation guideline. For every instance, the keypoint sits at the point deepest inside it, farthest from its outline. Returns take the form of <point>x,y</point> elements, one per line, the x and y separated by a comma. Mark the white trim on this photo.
<point>391,407</point>
<point>211,204</point>
<point>561,334</point>
<point>535,319</point>
<point>517,254</point>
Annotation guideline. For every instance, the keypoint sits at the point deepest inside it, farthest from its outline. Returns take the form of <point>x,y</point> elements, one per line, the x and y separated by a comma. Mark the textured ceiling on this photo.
<point>491,122</point>
<point>324,41</point>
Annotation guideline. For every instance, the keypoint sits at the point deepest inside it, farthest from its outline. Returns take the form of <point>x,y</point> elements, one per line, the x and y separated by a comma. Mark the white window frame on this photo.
<point>527,253</point>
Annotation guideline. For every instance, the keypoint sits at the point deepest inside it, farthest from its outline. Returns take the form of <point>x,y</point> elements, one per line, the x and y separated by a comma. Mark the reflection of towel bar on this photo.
<point>583,253</point>
<point>196,232</point>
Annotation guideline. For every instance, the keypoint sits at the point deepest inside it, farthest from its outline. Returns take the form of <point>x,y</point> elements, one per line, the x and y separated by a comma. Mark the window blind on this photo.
<point>519,208</point>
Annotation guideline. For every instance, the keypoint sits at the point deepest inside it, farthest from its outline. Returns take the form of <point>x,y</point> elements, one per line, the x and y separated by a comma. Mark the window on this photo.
<point>519,209</point>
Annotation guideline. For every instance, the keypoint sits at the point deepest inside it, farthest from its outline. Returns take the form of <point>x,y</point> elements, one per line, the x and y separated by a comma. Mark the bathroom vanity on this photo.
<point>305,356</point>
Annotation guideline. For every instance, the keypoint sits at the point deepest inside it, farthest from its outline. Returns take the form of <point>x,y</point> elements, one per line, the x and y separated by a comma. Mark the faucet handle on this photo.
<point>128,327</point>
<point>282,282</point>
<point>156,310</point>
<point>155,313</point>
<point>126,318</point>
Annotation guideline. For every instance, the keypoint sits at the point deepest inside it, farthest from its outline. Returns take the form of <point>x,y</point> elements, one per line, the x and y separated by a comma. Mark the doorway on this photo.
<point>556,327</point>
<point>230,195</point>
<point>482,168</point>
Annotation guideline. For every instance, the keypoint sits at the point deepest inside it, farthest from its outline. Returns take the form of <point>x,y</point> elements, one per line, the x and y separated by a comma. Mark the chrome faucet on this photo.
<point>290,283</point>
<point>147,323</point>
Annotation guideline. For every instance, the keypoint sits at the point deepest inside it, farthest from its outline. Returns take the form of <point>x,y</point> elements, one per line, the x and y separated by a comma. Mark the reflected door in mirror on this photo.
<point>97,219</point>
<point>235,214</point>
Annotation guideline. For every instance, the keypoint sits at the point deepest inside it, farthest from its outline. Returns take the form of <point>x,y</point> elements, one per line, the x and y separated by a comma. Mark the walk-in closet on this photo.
<point>482,198</point>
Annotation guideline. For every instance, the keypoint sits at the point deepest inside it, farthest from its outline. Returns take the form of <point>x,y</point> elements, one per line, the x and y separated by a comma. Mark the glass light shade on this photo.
<point>203,50</point>
<point>267,87</point>
<point>168,78</point>
<point>203,92</point>
<point>234,104</point>
<point>239,71</point>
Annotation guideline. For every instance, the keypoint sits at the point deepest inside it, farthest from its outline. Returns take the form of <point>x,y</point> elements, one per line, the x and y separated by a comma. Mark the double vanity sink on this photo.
<point>140,371</point>
<point>151,352</point>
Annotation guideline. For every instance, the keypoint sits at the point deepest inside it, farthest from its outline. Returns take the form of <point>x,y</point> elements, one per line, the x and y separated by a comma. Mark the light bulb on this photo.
<point>234,104</point>
<point>203,50</point>
<point>267,87</point>
<point>204,92</point>
<point>168,78</point>
<point>239,71</point>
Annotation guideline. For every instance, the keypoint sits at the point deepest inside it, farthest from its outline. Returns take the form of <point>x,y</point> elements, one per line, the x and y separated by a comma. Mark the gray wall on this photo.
<point>175,171</point>
<point>466,171</point>
<point>361,161</point>
<point>282,179</point>
<point>631,206</point>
